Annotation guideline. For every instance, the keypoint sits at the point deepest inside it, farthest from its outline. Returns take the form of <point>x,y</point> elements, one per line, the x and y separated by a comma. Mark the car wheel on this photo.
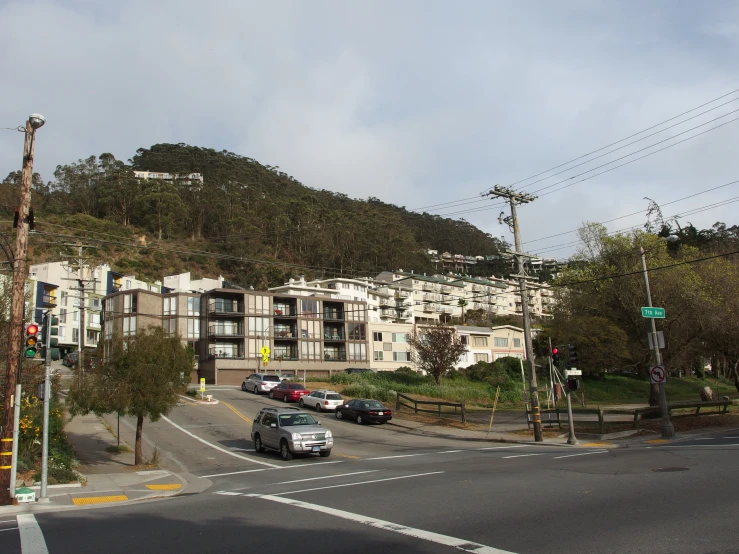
<point>360,420</point>
<point>284,399</point>
<point>254,390</point>
<point>243,387</point>
<point>324,453</point>
<point>338,414</point>
<point>301,403</point>
<point>258,444</point>
<point>318,408</point>
<point>271,395</point>
<point>285,451</point>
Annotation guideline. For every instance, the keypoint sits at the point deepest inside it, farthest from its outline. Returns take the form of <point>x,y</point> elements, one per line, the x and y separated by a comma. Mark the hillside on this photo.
<point>250,222</point>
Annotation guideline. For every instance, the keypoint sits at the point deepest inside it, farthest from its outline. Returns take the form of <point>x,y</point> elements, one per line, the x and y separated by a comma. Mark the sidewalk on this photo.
<point>109,477</point>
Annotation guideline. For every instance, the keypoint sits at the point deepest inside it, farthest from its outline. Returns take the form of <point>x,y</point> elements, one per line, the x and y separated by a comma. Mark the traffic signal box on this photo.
<point>31,344</point>
<point>555,357</point>
<point>572,384</point>
<point>572,354</point>
<point>50,328</point>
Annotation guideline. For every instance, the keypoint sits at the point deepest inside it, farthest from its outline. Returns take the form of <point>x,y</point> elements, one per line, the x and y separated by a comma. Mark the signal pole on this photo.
<point>515,198</point>
<point>20,271</point>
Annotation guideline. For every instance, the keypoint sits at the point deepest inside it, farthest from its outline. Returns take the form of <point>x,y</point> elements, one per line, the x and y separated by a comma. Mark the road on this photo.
<point>385,489</point>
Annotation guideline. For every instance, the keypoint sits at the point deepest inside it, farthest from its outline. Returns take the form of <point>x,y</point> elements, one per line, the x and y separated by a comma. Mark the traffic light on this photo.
<point>572,384</point>
<point>31,343</point>
<point>51,331</point>
<point>555,357</point>
<point>572,354</point>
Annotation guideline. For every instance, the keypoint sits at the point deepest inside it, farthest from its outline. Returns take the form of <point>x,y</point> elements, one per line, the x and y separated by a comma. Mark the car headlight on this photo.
<point>296,436</point>
<point>328,434</point>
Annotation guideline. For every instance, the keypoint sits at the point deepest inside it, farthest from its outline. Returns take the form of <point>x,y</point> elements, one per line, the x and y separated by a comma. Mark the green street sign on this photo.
<point>656,313</point>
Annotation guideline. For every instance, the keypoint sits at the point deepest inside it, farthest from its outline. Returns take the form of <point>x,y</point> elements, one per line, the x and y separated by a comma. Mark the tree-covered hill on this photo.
<point>251,222</point>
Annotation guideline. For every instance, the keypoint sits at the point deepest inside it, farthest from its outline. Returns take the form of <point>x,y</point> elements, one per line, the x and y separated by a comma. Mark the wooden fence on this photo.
<point>438,411</point>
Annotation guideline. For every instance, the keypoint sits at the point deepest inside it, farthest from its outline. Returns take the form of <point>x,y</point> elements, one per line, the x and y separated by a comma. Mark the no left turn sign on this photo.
<point>658,374</point>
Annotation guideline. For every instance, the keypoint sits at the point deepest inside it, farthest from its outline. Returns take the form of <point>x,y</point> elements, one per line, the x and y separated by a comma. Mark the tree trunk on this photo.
<point>138,454</point>
<point>736,375</point>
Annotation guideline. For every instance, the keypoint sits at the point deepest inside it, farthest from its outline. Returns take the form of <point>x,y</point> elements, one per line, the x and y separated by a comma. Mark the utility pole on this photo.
<point>20,271</point>
<point>668,431</point>
<point>515,198</point>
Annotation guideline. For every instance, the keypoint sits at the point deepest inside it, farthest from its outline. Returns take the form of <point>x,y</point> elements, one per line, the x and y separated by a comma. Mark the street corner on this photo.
<point>207,400</point>
<point>599,444</point>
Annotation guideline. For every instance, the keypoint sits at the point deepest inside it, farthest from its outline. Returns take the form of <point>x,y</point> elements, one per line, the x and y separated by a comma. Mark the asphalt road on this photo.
<point>390,491</point>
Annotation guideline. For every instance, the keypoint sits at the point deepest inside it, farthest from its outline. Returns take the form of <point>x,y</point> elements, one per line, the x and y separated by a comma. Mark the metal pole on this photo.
<point>533,387</point>
<point>668,431</point>
<point>47,393</point>
<point>572,439</point>
<point>16,311</point>
<point>81,328</point>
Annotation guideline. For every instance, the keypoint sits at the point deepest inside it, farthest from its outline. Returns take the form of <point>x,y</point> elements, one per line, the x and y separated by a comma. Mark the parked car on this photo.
<point>71,359</point>
<point>290,431</point>
<point>351,370</point>
<point>288,377</point>
<point>322,400</point>
<point>260,382</point>
<point>288,392</point>
<point>364,410</point>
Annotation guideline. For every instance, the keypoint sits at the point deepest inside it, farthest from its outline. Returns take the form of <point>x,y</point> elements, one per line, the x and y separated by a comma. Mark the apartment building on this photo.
<point>389,345</point>
<point>486,344</point>
<point>185,179</point>
<point>228,328</point>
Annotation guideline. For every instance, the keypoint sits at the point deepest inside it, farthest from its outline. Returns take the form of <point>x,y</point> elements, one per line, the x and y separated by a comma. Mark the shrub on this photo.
<point>405,369</point>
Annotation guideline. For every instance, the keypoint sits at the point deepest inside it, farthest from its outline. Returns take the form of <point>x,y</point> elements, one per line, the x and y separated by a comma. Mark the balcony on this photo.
<point>49,301</point>
<point>429,287</point>
<point>225,307</point>
<point>215,354</point>
<point>333,315</point>
<point>334,336</point>
<point>285,333</point>
<point>281,311</point>
<point>446,289</point>
<point>428,308</point>
<point>225,331</point>
<point>402,294</point>
<point>478,288</point>
<point>334,356</point>
<point>445,309</point>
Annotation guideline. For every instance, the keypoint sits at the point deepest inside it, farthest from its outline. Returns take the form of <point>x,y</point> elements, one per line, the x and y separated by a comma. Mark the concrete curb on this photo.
<point>201,402</point>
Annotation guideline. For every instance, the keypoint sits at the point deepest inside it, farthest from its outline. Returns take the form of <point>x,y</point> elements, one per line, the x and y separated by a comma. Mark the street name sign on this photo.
<point>572,372</point>
<point>652,312</point>
<point>658,374</point>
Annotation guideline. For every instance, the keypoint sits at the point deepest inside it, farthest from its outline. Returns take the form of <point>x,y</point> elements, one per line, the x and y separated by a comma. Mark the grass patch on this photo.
<point>118,449</point>
<point>615,389</point>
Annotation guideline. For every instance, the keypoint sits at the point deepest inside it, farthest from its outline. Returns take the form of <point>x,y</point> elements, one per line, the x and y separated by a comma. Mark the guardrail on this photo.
<point>438,411</point>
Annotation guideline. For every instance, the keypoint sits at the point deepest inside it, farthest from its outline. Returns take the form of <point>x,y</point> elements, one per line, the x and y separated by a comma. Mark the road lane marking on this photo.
<point>8,529</point>
<point>7,521</point>
<point>358,483</point>
<point>229,493</point>
<point>521,456</point>
<point>581,454</point>
<point>430,536</point>
<point>697,445</point>
<point>501,447</point>
<point>164,487</point>
<point>324,477</point>
<point>173,424</point>
<point>32,538</point>
<point>83,501</point>
<point>270,469</point>
<point>238,413</point>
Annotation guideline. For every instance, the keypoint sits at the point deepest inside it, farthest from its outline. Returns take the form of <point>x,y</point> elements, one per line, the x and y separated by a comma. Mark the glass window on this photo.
<point>481,357</point>
<point>481,341</point>
<point>129,326</point>
<point>401,356</point>
<point>400,337</point>
<point>377,336</point>
<point>309,308</point>
<point>193,305</point>
<point>501,341</point>
<point>258,326</point>
<point>357,351</point>
<point>356,331</point>
<point>378,355</point>
<point>130,303</point>
<point>62,315</point>
<point>517,343</point>
<point>170,305</point>
<point>193,328</point>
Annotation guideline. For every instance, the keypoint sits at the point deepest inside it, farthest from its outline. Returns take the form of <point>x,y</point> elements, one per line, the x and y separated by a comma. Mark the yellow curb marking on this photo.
<point>597,444</point>
<point>238,413</point>
<point>656,441</point>
<point>168,487</point>
<point>99,499</point>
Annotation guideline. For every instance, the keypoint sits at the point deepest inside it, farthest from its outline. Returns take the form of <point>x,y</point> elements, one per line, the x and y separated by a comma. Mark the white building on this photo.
<point>183,283</point>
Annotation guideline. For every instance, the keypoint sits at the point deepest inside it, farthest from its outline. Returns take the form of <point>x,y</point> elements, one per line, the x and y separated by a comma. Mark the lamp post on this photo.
<point>9,436</point>
<point>668,430</point>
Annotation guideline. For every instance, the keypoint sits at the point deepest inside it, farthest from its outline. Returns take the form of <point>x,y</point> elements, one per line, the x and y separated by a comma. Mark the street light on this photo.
<point>36,120</point>
<point>668,430</point>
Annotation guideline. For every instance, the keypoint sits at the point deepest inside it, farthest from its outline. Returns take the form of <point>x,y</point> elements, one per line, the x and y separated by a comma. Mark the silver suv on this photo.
<point>290,431</point>
<point>260,382</point>
<point>322,400</point>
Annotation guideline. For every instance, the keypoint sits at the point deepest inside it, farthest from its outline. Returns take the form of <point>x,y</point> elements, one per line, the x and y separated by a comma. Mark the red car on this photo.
<point>288,392</point>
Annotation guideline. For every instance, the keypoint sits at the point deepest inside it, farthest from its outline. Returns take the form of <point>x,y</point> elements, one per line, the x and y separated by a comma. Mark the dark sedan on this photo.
<point>364,410</point>
<point>288,392</point>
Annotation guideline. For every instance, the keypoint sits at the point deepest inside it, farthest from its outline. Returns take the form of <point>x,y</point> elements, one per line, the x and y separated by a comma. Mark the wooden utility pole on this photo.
<point>20,272</point>
<point>515,198</point>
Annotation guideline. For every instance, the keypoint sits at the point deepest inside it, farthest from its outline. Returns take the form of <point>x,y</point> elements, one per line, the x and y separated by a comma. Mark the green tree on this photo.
<point>436,349</point>
<point>142,378</point>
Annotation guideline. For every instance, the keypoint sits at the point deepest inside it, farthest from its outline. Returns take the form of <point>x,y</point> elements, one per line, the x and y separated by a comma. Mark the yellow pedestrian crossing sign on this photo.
<point>264,351</point>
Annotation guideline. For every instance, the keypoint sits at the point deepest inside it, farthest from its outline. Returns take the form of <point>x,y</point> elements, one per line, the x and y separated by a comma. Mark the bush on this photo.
<point>58,476</point>
<point>406,370</point>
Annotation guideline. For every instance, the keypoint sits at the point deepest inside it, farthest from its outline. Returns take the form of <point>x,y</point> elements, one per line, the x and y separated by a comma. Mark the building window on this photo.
<point>377,336</point>
<point>309,308</point>
<point>75,335</point>
<point>400,337</point>
<point>170,305</point>
<point>130,304</point>
<point>480,341</point>
<point>378,355</point>
<point>62,315</point>
<point>129,326</point>
<point>170,327</point>
<point>128,284</point>
<point>517,343</point>
<point>481,357</point>
<point>357,351</point>
<point>64,298</point>
<point>108,330</point>
<point>501,341</point>
<point>193,328</point>
<point>193,305</point>
<point>464,339</point>
<point>95,302</point>
<point>401,356</point>
<point>258,326</point>
<point>310,350</point>
<point>93,336</point>
<point>95,320</point>
<point>356,331</point>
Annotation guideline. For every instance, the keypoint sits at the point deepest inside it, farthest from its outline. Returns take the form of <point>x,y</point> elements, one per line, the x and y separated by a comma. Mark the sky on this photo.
<point>418,103</point>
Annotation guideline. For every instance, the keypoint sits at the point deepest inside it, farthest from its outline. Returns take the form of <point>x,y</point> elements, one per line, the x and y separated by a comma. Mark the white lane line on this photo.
<point>229,493</point>
<point>360,483</point>
<point>324,477</point>
<point>32,539</point>
<point>730,437</point>
<point>521,456</point>
<point>8,529</point>
<point>502,447</point>
<point>430,536</point>
<point>400,456</point>
<point>449,451</point>
<point>297,466</point>
<point>173,424</point>
<point>581,454</point>
<point>7,521</point>
<point>694,445</point>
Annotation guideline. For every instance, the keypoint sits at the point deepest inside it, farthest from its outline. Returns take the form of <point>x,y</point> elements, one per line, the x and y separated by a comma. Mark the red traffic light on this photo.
<point>555,351</point>
<point>32,329</point>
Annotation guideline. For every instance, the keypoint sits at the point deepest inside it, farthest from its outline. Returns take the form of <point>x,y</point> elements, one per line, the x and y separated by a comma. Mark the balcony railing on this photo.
<point>332,315</point>
<point>286,311</point>
<point>333,336</point>
<point>49,300</point>
<point>224,355</point>
<point>285,334</point>
<point>401,294</point>
<point>225,331</point>
<point>236,308</point>
<point>333,357</point>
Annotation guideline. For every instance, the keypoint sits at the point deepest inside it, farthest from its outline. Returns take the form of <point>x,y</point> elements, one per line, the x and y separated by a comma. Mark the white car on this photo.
<point>259,382</point>
<point>322,400</point>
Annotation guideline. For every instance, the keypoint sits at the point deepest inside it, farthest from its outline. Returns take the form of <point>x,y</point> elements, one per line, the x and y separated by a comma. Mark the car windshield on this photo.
<point>290,420</point>
<point>297,387</point>
<point>270,378</point>
<point>333,397</point>
<point>373,405</point>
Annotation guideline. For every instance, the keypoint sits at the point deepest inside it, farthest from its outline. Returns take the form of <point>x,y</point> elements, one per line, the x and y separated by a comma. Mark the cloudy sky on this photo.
<point>419,103</point>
